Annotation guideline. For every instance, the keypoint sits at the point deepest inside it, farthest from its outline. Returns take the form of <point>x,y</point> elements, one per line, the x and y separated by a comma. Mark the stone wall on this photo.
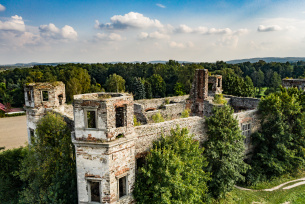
<point>251,117</point>
<point>168,112</point>
<point>146,134</point>
<point>216,88</point>
<point>157,102</point>
<point>299,83</point>
<point>104,105</point>
<point>55,92</point>
<point>242,103</point>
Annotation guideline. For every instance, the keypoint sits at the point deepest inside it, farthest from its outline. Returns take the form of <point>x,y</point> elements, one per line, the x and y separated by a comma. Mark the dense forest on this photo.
<point>148,80</point>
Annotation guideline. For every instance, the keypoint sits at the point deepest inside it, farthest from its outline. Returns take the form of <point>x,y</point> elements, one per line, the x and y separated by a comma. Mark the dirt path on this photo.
<point>13,132</point>
<point>302,182</point>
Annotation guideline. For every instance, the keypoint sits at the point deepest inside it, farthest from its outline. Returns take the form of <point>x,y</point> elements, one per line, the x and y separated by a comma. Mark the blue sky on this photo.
<point>104,31</point>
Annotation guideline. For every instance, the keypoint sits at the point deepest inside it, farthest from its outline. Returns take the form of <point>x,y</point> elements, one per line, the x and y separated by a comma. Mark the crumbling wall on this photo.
<point>33,93</point>
<point>298,83</point>
<point>242,103</point>
<point>216,82</point>
<point>251,117</point>
<point>104,109</point>
<point>168,112</point>
<point>146,134</point>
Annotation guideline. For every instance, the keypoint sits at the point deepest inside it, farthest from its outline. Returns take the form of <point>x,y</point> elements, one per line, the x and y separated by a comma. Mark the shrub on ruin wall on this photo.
<point>224,151</point>
<point>185,113</point>
<point>157,118</point>
<point>173,172</point>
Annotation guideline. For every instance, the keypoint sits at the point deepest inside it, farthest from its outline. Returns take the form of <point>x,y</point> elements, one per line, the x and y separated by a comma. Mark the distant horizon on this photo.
<point>127,31</point>
<point>150,61</point>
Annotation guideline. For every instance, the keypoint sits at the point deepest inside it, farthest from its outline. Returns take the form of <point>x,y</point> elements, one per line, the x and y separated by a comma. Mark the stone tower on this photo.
<point>203,86</point>
<point>39,98</point>
<point>104,144</point>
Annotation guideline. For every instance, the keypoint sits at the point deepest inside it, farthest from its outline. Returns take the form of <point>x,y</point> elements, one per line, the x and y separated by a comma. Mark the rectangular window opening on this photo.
<point>210,87</point>
<point>91,122</point>
<point>218,83</point>
<point>60,97</point>
<point>95,191</point>
<point>120,117</point>
<point>45,95</point>
<point>29,95</point>
<point>122,187</point>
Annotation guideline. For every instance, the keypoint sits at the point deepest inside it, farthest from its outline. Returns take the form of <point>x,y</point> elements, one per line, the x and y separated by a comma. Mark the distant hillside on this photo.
<point>268,59</point>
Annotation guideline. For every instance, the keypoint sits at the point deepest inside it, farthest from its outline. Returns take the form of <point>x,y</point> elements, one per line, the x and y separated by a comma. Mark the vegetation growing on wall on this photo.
<point>173,172</point>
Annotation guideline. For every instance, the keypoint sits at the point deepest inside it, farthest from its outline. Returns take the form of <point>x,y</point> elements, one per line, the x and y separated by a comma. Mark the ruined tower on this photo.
<point>39,98</point>
<point>203,86</point>
<point>104,144</point>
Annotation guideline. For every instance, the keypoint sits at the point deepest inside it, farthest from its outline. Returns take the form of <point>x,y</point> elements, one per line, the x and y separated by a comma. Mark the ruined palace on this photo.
<point>109,147</point>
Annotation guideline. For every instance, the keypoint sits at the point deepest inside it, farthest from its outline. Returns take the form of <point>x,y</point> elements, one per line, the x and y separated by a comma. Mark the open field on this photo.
<point>13,132</point>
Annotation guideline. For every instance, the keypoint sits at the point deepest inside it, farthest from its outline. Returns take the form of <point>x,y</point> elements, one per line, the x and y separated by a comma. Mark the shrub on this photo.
<point>135,121</point>
<point>157,118</point>
<point>185,113</point>
<point>219,99</point>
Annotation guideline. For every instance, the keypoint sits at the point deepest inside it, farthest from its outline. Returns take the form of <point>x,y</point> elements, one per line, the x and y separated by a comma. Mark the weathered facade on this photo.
<point>298,83</point>
<point>109,148</point>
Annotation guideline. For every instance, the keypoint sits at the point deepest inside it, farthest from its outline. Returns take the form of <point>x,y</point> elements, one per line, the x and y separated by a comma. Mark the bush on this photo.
<point>185,113</point>
<point>135,121</point>
<point>219,99</point>
<point>157,118</point>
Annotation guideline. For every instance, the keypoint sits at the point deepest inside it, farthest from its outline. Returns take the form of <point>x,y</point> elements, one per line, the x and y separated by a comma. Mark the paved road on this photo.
<point>13,132</point>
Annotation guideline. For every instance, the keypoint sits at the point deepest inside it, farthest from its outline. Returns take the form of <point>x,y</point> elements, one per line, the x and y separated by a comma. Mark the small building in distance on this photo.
<point>298,83</point>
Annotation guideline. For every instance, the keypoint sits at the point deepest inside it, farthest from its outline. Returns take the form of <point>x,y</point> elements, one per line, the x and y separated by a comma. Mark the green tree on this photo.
<point>10,183</point>
<point>158,86</point>
<point>148,90</point>
<point>280,144</point>
<point>138,89</point>
<point>224,150</point>
<point>115,83</point>
<point>49,168</point>
<point>179,89</point>
<point>173,171</point>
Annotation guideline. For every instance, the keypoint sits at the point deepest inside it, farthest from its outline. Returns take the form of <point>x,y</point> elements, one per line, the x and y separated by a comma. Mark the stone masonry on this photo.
<point>109,148</point>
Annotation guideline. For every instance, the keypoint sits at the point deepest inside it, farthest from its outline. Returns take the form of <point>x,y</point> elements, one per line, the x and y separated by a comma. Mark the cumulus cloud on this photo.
<point>108,37</point>
<point>263,28</point>
<point>219,31</point>
<point>153,35</point>
<point>15,23</point>
<point>183,29</point>
<point>51,31</point>
<point>129,20</point>
<point>2,8</point>
<point>174,44</point>
<point>160,5</point>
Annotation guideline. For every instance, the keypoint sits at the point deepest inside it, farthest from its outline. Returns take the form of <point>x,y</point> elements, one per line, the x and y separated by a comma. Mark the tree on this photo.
<point>138,89</point>
<point>49,168</point>
<point>158,85</point>
<point>179,89</point>
<point>10,183</point>
<point>173,171</point>
<point>115,83</point>
<point>224,150</point>
<point>280,144</point>
<point>77,81</point>
<point>148,91</point>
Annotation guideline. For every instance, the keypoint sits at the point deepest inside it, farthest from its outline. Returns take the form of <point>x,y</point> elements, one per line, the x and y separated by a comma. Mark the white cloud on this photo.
<point>263,28</point>
<point>219,31</point>
<point>51,31</point>
<point>15,23</point>
<point>160,5</point>
<point>143,35</point>
<point>153,35</point>
<point>110,37</point>
<point>183,29</point>
<point>2,8</point>
<point>129,20</point>
<point>174,44</point>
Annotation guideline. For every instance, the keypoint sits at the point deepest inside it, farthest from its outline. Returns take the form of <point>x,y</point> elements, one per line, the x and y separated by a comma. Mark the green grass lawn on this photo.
<point>294,195</point>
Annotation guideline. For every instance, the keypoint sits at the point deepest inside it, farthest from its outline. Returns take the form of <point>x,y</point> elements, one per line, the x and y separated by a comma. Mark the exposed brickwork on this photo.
<point>298,83</point>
